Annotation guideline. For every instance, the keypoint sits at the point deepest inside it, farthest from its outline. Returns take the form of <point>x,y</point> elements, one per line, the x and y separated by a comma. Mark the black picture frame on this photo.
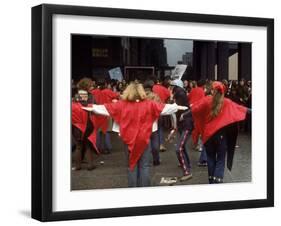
<point>42,111</point>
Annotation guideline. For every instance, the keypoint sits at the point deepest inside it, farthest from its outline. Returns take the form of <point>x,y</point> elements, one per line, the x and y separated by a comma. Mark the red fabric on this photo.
<point>135,120</point>
<point>79,119</point>
<point>108,95</point>
<point>230,113</point>
<point>196,94</point>
<point>97,95</point>
<point>162,92</point>
<point>102,97</point>
<point>219,86</point>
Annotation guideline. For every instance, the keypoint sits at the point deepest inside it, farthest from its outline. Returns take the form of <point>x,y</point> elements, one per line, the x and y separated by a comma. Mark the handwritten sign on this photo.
<point>116,74</point>
<point>178,72</point>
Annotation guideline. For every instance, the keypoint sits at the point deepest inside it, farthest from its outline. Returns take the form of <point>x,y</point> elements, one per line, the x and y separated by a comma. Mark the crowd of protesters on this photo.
<point>210,112</point>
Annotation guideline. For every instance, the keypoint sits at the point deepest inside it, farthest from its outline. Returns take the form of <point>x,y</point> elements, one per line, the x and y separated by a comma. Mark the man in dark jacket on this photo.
<point>184,128</point>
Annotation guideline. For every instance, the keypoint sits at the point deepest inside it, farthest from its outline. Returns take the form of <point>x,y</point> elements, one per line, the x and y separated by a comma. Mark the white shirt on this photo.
<point>169,109</point>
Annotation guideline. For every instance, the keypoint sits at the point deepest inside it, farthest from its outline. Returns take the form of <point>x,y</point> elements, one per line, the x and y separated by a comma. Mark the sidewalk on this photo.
<point>111,171</point>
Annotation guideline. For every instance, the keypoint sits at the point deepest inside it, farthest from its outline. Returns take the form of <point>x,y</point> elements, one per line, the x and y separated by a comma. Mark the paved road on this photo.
<point>113,173</point>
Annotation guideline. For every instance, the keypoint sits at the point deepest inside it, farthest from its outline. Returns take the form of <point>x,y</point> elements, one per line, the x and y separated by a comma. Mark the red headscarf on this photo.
<point>219,87</point>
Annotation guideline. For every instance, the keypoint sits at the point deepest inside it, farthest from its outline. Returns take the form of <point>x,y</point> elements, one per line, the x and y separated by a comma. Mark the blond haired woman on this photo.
<point>135,115</point>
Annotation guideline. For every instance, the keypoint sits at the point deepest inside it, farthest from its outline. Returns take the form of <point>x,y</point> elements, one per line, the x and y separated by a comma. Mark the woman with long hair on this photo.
<point>216,115</point>
<point>135,115</point>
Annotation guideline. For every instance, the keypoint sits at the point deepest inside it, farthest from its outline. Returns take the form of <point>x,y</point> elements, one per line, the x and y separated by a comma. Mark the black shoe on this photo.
<point>218,180</point>
<point>156,163</point>
<point>211,179</point>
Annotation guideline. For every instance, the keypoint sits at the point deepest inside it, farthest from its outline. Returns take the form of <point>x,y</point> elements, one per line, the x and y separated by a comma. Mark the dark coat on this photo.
<point>180,98</point>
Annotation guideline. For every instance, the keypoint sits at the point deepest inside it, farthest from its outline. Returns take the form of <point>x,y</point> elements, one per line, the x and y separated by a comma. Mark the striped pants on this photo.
<point>181,151</point>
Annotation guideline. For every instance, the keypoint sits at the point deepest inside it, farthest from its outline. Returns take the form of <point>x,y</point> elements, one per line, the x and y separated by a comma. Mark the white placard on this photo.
<point>116,73</point>
<point>178,71</point>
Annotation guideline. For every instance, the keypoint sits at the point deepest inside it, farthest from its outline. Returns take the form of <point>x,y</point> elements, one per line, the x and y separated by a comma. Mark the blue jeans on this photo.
<point>216,149</point>
<point>155,146</point>
<point>160,131</point>
<point>181,151</point>
<point>140,175</point>
<point>203,155</point>
<point>104,141</point>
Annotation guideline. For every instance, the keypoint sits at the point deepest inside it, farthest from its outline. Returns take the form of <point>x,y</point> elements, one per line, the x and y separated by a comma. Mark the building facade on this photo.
<point>222,60</point>
<point>93,56</point>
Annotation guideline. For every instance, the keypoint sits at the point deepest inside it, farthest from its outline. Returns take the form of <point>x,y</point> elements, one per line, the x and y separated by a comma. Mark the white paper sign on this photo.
<point>116,74</point>
<point>177,73</point>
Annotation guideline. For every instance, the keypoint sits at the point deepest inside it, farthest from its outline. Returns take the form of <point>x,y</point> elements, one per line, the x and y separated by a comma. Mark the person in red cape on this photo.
<point>214,115</point>
<point>103,95</point>
<point>135,115</point>
<point>164,94</point>
<point>196,94</point>
<point>83,131</point>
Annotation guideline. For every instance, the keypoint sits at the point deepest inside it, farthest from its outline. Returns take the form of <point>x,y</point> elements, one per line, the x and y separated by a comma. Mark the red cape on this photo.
<point>108,96</point>
<point>102,97</point>
<point>79,120</point>
<point>196,94</point>
<point>135,120</point>
<point>230,113</point>
<point>162,92</point>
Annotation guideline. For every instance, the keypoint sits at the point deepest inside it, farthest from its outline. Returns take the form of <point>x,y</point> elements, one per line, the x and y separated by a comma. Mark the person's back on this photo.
<point>108,95</point>
<point>230,112</point>
<point>162,92</point>
<point>196,94</point>
<point>181,99</point>
<point>97,94</point>
<point>135,119</point>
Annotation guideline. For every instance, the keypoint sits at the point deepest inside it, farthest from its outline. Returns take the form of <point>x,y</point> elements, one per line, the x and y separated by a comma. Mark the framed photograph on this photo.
<point>145,112</point>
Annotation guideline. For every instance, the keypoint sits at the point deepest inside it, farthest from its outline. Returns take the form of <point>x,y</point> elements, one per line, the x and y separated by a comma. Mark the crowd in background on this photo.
<point>97,128</point>
<point>239,91</point>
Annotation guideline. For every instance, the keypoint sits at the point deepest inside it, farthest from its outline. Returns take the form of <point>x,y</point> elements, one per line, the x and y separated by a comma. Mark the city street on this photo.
<point>111,171</point>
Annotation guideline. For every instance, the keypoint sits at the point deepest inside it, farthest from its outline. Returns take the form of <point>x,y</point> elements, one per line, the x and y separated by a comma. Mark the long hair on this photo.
<point>217,103</point>
<point>133,92</point>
